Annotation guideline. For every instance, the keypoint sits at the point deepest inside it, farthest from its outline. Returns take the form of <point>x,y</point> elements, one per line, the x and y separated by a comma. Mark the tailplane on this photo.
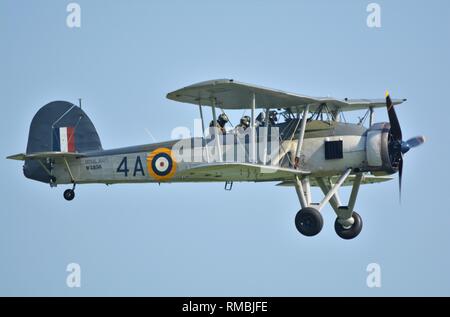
<point>58,127</point>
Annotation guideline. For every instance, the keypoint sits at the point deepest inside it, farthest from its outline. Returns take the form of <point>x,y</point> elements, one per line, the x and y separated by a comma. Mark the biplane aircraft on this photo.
<point>296,140</point>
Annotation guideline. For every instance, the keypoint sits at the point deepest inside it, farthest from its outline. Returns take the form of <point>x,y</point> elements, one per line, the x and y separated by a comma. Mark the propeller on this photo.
<point>398,147</point>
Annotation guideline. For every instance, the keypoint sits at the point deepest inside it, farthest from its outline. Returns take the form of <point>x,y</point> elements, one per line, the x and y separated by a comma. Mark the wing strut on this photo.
<point>371,116</point>
<point>201,118</point>
<point>253,131</point>
<point>216,130</point>
<point>266,135</point>
<point>301,136</point>
<point>203,131</point>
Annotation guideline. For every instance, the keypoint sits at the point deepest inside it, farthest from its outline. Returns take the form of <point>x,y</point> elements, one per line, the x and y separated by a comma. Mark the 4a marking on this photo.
<point>138,169</point>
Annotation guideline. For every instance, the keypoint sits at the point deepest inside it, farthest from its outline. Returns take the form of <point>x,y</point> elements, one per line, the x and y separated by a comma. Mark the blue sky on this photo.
<point>197,239</point>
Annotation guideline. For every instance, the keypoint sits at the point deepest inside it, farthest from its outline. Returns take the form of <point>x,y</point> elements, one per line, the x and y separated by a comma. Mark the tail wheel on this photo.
<point>69,194</point>
<point>309,221</point>
<point>351,232</point>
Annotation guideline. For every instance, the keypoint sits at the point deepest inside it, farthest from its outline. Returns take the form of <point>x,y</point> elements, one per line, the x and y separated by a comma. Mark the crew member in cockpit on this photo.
<point>243,125</point>
<point>221,122</point>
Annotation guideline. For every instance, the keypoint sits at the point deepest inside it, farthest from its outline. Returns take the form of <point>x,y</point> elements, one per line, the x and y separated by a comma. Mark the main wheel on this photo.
<point>353,231</point>
<point>69,194</point>
<point>309,221</point>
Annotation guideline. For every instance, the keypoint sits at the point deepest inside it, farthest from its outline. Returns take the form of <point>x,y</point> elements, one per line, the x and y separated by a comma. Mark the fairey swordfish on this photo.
<point>297,141</point>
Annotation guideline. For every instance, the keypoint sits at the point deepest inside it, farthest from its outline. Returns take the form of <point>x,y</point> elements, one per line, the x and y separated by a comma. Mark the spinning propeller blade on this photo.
<point>396,131</point>
<point>398,147</point>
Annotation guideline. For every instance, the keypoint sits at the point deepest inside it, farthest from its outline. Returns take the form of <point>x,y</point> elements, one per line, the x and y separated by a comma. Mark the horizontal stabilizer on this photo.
<point>44,155</point>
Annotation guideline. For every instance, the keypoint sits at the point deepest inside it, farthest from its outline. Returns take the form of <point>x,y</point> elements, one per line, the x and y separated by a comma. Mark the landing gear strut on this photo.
<point>309,220</point>
<point>69,194</point>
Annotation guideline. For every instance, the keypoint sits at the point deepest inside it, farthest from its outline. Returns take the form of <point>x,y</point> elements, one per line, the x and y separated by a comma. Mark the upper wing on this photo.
<point>44,155</point>
<point>230,94</point>
<point>238,172</point>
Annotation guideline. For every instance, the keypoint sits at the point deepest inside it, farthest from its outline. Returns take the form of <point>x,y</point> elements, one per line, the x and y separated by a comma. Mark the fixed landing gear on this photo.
<point>69,194</point>
<point>351,231</point>
<point>309,221</point>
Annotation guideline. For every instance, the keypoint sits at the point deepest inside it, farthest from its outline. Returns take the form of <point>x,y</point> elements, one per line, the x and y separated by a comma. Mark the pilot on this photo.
<point>273,117</point>
<point>243,124</point>
<point>260,119</point>
<point>221,121</point>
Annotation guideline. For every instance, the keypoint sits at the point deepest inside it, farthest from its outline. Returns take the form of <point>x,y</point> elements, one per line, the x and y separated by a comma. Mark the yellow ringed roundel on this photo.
<point>161,164</point>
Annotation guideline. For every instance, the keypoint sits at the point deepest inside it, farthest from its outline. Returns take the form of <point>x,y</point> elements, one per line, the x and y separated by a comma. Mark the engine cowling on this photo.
<point>378,154</point>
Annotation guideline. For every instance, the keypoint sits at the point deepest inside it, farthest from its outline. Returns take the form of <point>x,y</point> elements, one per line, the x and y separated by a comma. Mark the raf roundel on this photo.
<point>161,164</point>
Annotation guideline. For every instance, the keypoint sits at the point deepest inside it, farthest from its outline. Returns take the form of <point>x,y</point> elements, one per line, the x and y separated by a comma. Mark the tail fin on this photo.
<point>62,126</point>
<point>59,126</point>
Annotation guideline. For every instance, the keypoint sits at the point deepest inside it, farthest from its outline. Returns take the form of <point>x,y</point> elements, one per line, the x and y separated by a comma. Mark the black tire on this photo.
<point>353,231</point>
<point>69,194</point>
<point>309,221</point>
